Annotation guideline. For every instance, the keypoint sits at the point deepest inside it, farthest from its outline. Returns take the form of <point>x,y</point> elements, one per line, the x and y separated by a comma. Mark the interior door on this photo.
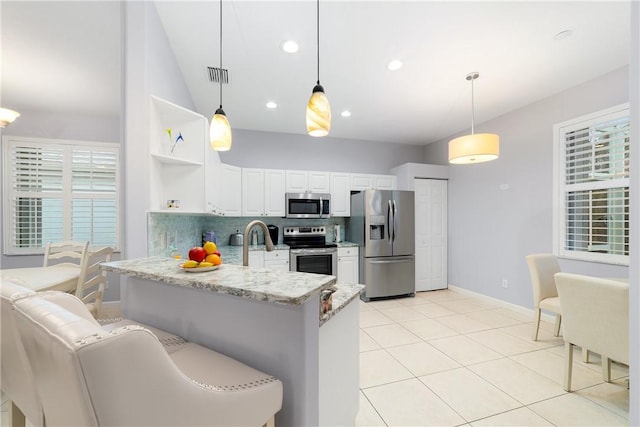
<point>431,234</point>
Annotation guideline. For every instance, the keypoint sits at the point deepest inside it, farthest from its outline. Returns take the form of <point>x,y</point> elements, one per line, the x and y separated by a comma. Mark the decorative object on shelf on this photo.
<point>172,142</point>
<point>318,108</point>
<point>220,129</point>
<point>474,148</point>
<point>173,204</point>
<point>7,116</point>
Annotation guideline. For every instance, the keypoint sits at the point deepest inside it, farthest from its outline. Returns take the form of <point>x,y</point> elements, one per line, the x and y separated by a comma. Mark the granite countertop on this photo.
<point>344,244</point>
<point>344,294</point>
<point>282,287</point>
<point>233,254</point>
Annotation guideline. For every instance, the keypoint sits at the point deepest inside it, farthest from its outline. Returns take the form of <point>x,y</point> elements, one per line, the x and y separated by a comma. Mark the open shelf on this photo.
<point>169,160</point>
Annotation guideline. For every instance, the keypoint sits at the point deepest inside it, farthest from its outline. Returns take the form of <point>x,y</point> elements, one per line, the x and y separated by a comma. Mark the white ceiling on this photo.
<point>66,55</point>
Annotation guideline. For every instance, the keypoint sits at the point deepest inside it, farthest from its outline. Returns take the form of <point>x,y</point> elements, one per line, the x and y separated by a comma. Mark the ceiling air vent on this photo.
<point>217,75</point>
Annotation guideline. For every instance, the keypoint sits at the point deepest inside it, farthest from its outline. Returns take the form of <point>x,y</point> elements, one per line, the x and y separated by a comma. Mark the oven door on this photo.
<point>320,261</point>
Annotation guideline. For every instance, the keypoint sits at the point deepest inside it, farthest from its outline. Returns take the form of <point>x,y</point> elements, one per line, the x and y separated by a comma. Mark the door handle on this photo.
<point>395,222</point>
<point>391,261</point>
<point>389,223</point>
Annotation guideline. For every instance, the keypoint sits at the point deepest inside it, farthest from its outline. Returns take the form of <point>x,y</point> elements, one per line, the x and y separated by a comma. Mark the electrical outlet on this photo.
<point>505,283</point>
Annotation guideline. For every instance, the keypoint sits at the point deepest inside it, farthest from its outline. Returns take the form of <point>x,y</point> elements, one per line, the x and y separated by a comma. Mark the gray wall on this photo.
<point>492,230</point>
<point>289,151</point>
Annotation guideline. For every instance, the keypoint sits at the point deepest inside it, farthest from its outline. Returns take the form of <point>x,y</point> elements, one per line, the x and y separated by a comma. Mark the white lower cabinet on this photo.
<point>275,260</point>
<point>348,265</point>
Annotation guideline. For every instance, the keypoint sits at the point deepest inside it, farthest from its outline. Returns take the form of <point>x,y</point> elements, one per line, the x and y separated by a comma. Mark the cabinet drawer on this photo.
<point>276,255</point>
<point>352,251</point>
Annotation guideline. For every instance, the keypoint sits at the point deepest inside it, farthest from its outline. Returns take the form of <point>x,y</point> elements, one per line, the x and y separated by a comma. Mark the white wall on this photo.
<point>492,230</point>
<point>634,269</point>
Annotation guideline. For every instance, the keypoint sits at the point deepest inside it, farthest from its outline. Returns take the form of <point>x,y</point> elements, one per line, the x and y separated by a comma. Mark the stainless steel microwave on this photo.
<point>308,205</point>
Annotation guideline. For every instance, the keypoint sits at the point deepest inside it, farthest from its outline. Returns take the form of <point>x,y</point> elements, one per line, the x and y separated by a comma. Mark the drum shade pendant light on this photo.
<point>318,108</point>
<point>477,147</point>
<point>7,116</point>
<point>220,129</point>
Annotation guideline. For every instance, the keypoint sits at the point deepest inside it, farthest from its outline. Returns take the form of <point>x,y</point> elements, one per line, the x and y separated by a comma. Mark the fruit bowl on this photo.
<point>199,269</point>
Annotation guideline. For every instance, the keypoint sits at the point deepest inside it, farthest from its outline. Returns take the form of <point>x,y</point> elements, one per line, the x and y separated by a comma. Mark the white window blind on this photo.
<point>592,181</point>
<point>59,190</point>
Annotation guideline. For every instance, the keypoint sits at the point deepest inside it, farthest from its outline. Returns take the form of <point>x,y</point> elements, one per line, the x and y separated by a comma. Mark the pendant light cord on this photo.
<point>221,54</point>
<point>318,36</point>
<point>473,114</point>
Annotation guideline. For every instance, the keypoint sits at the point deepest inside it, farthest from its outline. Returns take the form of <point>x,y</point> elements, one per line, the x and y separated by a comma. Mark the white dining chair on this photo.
<point>542,268</point>
<point>90,288</point>
<point>595,316</point>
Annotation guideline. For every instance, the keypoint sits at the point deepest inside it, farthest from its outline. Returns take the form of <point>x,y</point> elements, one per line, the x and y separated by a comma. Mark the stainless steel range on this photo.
<point>310,253</point>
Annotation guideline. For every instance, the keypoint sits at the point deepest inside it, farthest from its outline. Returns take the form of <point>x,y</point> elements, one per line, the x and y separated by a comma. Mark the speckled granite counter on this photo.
<point>284,287</point>
<point>347,245</point>
<point>344,294</point>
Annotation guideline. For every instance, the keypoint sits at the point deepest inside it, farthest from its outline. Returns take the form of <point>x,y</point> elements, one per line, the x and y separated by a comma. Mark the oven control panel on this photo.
<point>319,230</point>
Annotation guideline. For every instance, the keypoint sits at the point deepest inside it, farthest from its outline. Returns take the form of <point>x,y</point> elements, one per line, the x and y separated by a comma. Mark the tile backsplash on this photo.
<point>169,230</point>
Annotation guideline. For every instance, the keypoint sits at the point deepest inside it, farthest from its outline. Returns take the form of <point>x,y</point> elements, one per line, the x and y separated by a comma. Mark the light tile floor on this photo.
<point>446,358</point>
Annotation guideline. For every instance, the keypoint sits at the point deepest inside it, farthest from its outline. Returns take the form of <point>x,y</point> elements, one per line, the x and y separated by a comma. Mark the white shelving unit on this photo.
<point>177,169</point>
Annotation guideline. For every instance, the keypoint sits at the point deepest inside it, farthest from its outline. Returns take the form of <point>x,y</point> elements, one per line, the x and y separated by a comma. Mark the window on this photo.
<point>591,183</point>
<point>58,190</point>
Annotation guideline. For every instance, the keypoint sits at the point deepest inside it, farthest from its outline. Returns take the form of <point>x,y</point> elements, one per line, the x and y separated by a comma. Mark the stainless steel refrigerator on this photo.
<point>382,224</point>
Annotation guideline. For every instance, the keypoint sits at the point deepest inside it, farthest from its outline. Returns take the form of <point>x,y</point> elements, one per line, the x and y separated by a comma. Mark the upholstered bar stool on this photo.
<point>124,377</point>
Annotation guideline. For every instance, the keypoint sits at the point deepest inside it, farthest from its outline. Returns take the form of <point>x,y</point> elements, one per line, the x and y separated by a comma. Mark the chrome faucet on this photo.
<point>245,241</point>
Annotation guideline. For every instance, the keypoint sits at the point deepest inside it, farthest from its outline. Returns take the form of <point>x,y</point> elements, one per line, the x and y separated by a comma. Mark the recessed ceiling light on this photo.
<point>563,35</point>
<point>290,46</point>
<point>394,65</point>
<point>271,105</point>
<point>346,113</point>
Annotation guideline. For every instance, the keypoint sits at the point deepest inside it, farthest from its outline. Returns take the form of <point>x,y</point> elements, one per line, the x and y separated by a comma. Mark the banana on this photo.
<point>190,264</point>
<point>205,264</point>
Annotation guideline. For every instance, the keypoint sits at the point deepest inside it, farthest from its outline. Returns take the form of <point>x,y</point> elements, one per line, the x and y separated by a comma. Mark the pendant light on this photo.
<point>318,108</point>
<point>7,116</point>
<point>220,129</point>
<point>477,147</point>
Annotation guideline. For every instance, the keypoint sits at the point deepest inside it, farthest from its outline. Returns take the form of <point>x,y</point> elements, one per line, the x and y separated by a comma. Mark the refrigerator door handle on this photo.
<point>394,261</point>
<point>395,222</point>
<point>389,221</point>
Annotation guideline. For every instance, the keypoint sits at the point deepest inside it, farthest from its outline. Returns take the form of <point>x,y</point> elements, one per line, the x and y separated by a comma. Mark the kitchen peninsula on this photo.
<point>268,319</point>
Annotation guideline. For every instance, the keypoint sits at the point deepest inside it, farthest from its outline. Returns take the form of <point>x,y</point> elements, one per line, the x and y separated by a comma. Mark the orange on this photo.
<point>209,247</point>
<point>213,259</point>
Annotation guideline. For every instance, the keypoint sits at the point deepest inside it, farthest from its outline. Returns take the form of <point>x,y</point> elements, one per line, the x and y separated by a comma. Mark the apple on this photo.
<point>197,254</point>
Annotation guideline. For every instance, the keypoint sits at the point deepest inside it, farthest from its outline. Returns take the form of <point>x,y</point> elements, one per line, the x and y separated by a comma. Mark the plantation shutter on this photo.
<point>58,190</point>
<point>595,188</point>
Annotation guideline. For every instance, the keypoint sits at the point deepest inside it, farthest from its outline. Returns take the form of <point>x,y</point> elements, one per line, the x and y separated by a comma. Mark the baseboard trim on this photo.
<point>551,318</point>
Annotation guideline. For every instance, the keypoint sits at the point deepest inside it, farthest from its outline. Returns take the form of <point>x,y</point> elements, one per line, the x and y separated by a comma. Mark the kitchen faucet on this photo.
<point>245,241</point>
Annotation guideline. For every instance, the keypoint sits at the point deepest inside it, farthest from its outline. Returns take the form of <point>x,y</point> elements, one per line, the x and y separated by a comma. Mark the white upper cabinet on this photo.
<point>313,181</point>
<point>229,187</point>
<point>340,194</point>
<point>263,192</point>
<point>364,181</point>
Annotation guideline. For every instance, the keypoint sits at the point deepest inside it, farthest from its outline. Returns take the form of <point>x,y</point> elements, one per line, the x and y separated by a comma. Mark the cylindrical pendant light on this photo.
<point>318,108</point>
<point>220,129</point>
<point>474,148</point>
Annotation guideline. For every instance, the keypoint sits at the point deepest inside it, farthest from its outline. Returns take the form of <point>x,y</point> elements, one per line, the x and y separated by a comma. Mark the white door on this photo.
<point>431,234</point>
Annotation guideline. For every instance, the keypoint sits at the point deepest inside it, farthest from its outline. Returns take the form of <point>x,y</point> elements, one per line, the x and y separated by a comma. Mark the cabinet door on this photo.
<point>347,269</point>
<point>319,182</point>
<point>384,182</point>
<point>274,191</point>
<point>361,181</point>
<point>230,188</point>
<point>252,192</point>
<point>340,194</point>
<point>297,181</point>
<point>256,259</point>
